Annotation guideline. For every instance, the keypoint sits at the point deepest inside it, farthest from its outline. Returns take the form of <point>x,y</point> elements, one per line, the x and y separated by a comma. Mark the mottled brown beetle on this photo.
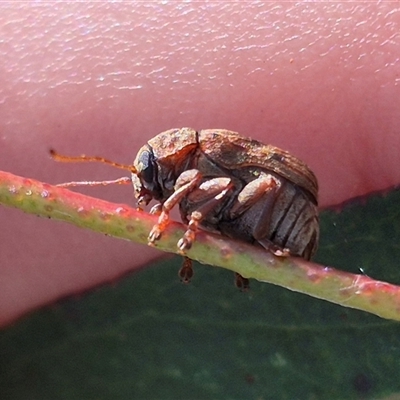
<point>226,183</point>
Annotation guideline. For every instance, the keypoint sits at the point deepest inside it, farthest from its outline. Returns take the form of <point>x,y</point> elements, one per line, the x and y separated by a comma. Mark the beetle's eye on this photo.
<point>146,183</point>
<point>146,166</point>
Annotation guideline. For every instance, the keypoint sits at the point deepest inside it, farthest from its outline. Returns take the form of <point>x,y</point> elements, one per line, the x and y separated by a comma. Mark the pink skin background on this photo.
<point>321,80</point>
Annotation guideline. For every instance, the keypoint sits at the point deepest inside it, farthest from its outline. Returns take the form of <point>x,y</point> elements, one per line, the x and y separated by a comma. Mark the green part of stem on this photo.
<point>122,221</point>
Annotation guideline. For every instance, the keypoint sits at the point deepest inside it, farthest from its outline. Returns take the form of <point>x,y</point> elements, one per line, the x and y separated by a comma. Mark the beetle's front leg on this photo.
<point>186,182</point>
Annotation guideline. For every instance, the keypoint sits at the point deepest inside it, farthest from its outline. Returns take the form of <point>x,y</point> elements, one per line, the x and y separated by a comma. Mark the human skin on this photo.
<point>320,80</point>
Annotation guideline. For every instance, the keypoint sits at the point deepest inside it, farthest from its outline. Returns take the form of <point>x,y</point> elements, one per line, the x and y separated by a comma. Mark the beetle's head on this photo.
<point>151,178</point>
<point>145,182</point>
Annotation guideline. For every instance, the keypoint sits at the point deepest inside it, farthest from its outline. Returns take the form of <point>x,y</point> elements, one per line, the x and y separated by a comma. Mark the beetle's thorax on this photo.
<point>174,152</point>
<point>169,153</point>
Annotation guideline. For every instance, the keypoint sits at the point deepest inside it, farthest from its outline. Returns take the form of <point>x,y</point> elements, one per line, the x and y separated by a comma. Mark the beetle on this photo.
<point>226,183</point>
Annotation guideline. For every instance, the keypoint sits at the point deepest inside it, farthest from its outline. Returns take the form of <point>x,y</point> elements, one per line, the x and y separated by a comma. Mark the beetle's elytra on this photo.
<point>230,184</point>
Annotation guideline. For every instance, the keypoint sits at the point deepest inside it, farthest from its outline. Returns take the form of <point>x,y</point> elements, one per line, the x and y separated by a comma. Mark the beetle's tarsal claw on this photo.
<point>186,272</point>
<point>274,249</point>
<point>154,235</point>
<point>184,245</point>
<point>241,283</point>
<point>281,252</point>
<point>159,228</point>
<point>187,241</point>
<point>156,209</point>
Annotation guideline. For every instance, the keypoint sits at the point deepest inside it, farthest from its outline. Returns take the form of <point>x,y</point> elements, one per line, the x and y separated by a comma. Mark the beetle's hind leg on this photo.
<point>264,191</point>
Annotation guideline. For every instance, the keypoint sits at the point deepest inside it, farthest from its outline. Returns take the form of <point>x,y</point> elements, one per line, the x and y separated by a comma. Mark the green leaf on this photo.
<point>152,337</point>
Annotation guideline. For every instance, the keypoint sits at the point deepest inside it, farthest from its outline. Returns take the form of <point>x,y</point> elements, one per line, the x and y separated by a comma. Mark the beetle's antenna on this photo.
<point>119,181</point>
<point>82,158</point>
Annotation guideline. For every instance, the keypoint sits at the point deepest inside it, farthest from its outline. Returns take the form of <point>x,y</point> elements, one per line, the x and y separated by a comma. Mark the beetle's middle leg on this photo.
<point>204,199</point>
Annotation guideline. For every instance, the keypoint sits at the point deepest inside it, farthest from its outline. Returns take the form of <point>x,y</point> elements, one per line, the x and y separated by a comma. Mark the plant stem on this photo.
<point>122,221</point>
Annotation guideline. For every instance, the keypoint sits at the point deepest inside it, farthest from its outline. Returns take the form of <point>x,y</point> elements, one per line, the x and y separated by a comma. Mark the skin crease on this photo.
<point>319,80</point>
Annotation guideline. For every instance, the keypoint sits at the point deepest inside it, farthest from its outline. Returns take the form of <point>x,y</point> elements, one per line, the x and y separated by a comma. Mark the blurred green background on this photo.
<point>151,337</point>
